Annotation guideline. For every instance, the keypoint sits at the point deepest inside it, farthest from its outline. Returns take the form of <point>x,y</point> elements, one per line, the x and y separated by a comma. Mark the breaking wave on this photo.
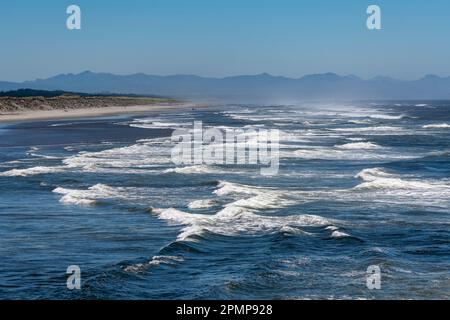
<point>31,171</point>
<point>196,169</point>
<point>375,130</point>
<point>233,221</point>
<point>354,152</point>
<point>158,125</point>
<point>359,145</point>
<point>240,217</point>
<point>377,178</point>
<point>156,261</point>
<point>227,188</point>
<point>202,204</point>
<point>437,126</point>
<point>92,195</point>
<point>386,117</point>
<point>139,155</point>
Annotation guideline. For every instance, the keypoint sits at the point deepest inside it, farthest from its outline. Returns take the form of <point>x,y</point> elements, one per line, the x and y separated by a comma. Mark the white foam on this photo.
<point>94,193</point>
<point>359,145</point>
<point>256,198</point>
<point>156,261</point>
<point>374,130</point>
<point>386,117</point>
<point>201,204</point>
<point>31,171</point>
<point>196,169</point>
<point>32,154</point>
<point>179,216</point>
<point>251,117</point>
<point>265,200</point>
<point>70,200</point>
<point>65,124</point>
<point>239,111</point>
<point>350,154</point>
<point>377,178</point>
<point>141,156</point>
<point>227,188</point>
<point>339,234</point>
<point>372,174</point>
<point>233,221</point>
<point>75,197</point>
<point>240,217</point>
<point>365,121</point>
<point>437,126</point>
<point>158,125</point>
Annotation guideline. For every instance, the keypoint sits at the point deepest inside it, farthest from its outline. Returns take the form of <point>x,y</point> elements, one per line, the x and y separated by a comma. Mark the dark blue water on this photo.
<point>359,184</point>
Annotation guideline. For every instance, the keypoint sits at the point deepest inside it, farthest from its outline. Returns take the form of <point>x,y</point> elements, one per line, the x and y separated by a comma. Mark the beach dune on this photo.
<point>73,106</point>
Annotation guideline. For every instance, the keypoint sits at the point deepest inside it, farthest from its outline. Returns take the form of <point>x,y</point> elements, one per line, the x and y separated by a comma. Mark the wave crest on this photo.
<point>31,171</point>
<point>234,221</point>
<point>437,126</point>
<point>359,145</point>
<point>377,178</point>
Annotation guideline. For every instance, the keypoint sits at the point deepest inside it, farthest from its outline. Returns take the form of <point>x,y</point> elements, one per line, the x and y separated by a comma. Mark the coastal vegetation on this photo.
<point>35,100</point>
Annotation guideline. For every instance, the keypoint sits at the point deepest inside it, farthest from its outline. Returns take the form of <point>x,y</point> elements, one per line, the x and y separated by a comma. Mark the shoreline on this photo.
<point>61,114</point>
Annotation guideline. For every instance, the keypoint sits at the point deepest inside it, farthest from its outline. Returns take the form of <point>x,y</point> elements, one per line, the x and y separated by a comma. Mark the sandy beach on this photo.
<point>90,112</point>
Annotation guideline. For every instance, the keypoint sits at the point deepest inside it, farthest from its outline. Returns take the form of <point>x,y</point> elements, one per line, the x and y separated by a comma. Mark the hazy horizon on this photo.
<point>229,76</point>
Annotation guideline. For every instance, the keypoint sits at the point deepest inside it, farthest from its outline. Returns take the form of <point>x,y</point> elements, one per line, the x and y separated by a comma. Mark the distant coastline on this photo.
<point>41,105</point>
<point>259,88</point>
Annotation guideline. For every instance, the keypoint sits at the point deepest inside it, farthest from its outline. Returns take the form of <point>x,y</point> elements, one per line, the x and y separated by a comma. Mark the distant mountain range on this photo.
<point>261,87</point>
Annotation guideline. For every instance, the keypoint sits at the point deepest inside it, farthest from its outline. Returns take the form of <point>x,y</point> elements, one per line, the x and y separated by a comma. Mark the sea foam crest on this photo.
<point>437,126</point>
<point>139,155</point>
<point>155,261</point>
<point>387,116</point>
<point>93,194</point>
<point>31,171</point>
<point>377,178</point>
<point>195,169</point>
<point>227,188</point>
<point>257,198</point>
<point>359,145</point>
<point>202,204</point>
<point>233,221</point>
<point>240,216</point>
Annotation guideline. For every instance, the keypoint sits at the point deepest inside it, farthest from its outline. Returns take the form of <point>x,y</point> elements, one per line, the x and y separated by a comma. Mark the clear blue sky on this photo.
<point>225,37</point>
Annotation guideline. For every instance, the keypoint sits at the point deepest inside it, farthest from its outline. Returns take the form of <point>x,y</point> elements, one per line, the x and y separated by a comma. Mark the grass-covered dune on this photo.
<point>34,100</point>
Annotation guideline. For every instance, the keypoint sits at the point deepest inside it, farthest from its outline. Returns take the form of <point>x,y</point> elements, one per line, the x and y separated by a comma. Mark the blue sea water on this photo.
<point>359,184</point>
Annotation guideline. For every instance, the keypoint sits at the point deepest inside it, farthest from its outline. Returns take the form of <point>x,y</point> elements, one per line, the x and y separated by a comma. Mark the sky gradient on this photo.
<point>221,38</point>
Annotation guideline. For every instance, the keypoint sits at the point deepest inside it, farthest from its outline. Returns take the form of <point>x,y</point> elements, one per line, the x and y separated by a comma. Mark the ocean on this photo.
<point>359,184</point>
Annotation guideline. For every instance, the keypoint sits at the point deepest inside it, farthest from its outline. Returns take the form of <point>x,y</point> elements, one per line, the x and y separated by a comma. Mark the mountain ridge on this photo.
<point>263,86</point>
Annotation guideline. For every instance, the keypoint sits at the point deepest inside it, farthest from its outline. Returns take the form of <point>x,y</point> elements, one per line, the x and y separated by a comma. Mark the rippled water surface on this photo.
<point>359,184</point>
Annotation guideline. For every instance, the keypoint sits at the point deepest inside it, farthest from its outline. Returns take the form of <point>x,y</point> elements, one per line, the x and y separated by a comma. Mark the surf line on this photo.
<point>187,310</point>
<point>233,146</point>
